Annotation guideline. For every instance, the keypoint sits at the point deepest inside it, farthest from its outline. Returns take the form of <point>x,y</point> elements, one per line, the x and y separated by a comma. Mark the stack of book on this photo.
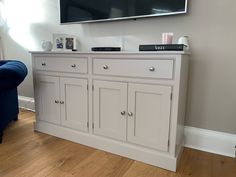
<point>162,47</point>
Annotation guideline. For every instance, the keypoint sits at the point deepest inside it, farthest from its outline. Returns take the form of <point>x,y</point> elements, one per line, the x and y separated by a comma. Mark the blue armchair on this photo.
<point>12,73</point>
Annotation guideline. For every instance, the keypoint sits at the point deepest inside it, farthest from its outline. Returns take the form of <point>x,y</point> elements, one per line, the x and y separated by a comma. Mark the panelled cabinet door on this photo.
<point>48,98</point>
<point>74,103</point>
<point>149,115</point>
<point>110,104</point>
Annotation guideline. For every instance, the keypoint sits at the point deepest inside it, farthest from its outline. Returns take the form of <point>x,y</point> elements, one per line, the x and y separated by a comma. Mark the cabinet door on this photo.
<point>149,115</point>
<point>74,103</point>
<point>110,100</point>
<point>47,98</point>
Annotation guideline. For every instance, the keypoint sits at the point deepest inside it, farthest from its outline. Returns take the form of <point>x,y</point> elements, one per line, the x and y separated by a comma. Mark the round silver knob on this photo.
<point>130,114</point>
<point>61,102</point>
<point>105,67</point>
<point>152,69</point>
<point>43,64</point>
<point>56,101</point>
<point>73,66</point>
<point>122,113</point>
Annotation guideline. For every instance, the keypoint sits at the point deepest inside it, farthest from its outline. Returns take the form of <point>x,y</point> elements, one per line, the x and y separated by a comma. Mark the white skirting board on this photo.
<point>210,141</point>
<point>196,138</point>
<point>26,103</point>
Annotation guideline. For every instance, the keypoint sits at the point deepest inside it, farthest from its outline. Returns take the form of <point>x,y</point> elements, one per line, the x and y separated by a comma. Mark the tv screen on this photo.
<point>100,10</point>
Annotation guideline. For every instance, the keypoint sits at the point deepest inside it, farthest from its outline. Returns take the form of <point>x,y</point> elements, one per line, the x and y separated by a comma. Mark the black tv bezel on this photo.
<point>123,18</point>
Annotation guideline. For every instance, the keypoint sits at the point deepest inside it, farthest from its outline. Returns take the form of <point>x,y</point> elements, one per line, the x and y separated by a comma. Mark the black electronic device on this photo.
<point>80,11</point>
<point>162,47</point>
<point>106,49</point>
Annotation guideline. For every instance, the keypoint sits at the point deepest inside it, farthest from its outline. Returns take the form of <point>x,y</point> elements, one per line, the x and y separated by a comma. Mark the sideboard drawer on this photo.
<point>77,65</point>
<point>135,68</point>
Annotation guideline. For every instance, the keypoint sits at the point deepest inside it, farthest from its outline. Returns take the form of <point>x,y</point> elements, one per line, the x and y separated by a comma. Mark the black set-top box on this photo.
<point>162,47</point>
<point>108,49</point>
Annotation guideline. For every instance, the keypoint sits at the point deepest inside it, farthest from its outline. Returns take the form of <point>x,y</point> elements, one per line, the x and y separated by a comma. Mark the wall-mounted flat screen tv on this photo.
<point>79,11</point>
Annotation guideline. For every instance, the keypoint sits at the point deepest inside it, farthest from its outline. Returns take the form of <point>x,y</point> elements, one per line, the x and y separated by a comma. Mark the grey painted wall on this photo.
<point>209,23</point>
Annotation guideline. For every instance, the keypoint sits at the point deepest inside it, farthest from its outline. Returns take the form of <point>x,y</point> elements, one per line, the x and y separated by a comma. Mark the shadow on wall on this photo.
<point>13,50</point>
<point>196,104</point>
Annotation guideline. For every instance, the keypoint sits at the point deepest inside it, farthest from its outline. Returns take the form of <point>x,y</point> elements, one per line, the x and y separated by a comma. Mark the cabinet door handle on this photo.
<point>105,67</point>
<point>152,69</point>
<point>56,101</point>
<point>130,114</point>
<point>43,64</point>
<point>61,102</point>
<point>122,113</point>
<point>73,66</point>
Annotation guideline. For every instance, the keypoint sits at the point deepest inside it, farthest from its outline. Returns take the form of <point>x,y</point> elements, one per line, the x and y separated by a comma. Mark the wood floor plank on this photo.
<point>26,153</point>
<point>54,158</point>
<point>31,154</point>
<point>66,161</point>
<point>102,164</point>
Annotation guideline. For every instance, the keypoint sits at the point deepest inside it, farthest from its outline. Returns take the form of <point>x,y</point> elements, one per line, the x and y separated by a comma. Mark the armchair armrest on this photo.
<point>12,73</point>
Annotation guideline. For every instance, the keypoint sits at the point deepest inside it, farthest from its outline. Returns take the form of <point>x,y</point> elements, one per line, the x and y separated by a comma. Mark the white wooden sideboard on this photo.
<point>130,104</point>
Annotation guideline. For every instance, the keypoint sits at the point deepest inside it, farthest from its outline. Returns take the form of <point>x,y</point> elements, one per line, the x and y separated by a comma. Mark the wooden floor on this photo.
<point>25,153</point>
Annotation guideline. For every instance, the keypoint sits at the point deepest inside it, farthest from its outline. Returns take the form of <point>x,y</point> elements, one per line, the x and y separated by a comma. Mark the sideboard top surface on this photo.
<point>110,53</point>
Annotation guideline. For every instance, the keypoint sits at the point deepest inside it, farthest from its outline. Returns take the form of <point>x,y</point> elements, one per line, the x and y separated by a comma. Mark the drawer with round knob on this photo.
<point>75,65</point>
<point>162,69</point>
